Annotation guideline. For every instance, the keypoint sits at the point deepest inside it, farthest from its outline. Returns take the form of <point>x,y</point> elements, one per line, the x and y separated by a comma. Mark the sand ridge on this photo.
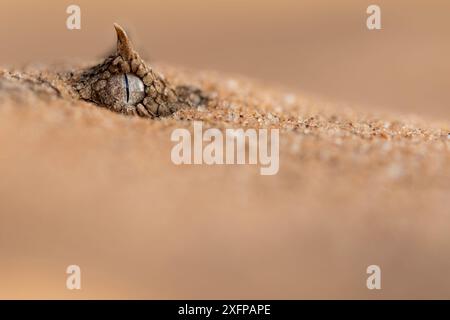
<point>81,183</point>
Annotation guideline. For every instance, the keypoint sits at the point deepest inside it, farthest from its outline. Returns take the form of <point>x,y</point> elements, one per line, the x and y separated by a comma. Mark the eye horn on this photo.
<point>126,89</point>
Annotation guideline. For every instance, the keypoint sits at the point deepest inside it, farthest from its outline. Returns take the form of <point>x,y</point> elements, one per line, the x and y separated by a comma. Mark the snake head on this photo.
<point>124,83</point>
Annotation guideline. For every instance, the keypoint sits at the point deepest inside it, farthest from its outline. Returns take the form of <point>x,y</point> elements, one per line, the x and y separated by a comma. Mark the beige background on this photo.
<point>319,46</point>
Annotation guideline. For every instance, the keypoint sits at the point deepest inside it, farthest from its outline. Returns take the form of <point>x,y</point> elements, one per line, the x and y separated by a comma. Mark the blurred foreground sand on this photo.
<point>82,185</point>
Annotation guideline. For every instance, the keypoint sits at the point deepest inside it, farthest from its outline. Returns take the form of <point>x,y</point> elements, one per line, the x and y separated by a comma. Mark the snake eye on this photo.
<point>126,89</point>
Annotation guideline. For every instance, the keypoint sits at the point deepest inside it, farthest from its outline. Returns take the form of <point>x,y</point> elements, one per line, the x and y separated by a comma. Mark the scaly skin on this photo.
<point>161,99</point>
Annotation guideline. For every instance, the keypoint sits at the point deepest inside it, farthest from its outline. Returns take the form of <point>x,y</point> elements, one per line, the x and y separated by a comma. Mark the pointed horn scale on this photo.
<point>124,46</point>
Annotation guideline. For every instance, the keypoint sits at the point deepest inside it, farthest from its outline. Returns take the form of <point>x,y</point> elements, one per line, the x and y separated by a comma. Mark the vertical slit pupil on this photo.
<point>127,87</point>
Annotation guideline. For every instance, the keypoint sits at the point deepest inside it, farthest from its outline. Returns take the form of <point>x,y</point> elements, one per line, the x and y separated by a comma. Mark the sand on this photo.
<point>83,185</point>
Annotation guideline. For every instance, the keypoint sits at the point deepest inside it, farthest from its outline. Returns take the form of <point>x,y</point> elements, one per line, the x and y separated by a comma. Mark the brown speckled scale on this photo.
<point>99,85</point>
